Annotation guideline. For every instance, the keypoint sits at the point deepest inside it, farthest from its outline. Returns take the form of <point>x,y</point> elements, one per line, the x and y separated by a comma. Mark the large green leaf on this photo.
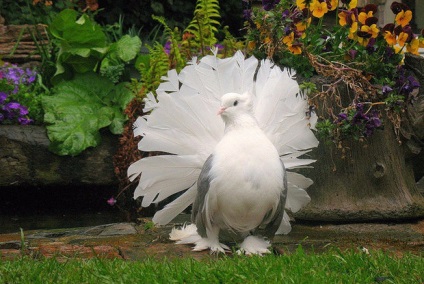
<point>128,47</point>
<point>82,32</point>
<point>82,44</point>
<point>63,21</point>
<point>122,51</point>
<point>80,108</point>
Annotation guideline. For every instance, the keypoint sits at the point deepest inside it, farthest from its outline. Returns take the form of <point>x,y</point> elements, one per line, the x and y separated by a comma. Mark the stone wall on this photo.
<point>26,161</point>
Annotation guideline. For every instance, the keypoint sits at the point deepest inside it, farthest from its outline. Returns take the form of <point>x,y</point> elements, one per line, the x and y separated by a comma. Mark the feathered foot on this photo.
<point>188,235</point>
<point>214,245</point>
<point>254,245</point>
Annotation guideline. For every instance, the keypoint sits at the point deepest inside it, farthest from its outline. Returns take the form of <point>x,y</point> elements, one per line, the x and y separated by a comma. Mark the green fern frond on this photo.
<point>157,67</point>
<point>177,61</point>
<point>205,22</point>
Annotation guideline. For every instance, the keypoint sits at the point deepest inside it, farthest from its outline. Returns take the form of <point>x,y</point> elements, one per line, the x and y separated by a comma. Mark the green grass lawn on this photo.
<point>299,267</point>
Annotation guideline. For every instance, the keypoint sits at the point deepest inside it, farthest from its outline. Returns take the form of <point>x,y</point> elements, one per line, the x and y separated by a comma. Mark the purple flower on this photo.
<point>111,201</point>
<point>219,46</point>
<point>359,107</point>
<point>389,52</point>
<point>352,53</point>
<point>285,14</point>
<point>287,30</point>
<point>370,46</point>
<point>375,121</point>
<point>16,107</point>
<point>31,75</point>
<point>371,125</point>
<point>269,4</point>
<point>413,83</point>
<point>167,47</point>
<point>341,116</point>
<point>14,75</point>
<point>247,14</point>
<point>16,82</point>
<point>24,120</point>
<point>386,89</point>
<point>3,97</point>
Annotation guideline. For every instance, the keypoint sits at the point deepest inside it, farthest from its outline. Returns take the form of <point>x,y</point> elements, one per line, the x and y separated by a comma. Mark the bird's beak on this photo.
<point>221,110</point>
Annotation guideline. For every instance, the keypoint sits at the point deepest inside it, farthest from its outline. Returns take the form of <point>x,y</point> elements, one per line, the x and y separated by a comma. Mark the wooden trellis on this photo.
<point>23,43</point>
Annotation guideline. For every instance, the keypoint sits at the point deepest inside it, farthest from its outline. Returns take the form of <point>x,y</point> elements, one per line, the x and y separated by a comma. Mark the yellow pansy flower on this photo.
<point>373,30</point>
<point>318,9</point>
<point>334,4</point>
<point>295,49</point>
<point>403,17</point>
<point>302,25</point>
<point>342,18</point>
<point>300,4</point>
<point>362,17</point>
<point>352,30</point>
<point>363,41</point>
<point>390,38</point>
<point>412,47</point>
<point>288,39</point>
<point>402,38</point>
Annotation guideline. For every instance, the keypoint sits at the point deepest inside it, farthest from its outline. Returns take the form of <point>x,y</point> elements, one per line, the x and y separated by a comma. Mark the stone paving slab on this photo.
<point>138,241</point>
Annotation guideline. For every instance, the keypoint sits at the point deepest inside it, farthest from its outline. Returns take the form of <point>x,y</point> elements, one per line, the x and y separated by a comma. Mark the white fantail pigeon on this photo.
<point>233,174</point>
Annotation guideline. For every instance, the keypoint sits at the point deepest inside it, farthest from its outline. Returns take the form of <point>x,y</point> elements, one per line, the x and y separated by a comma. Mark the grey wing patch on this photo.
<point>197,214</point>
<point>273,226</point>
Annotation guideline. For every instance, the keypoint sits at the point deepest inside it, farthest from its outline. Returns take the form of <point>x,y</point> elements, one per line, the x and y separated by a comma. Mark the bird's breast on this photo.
<point>247,180</point>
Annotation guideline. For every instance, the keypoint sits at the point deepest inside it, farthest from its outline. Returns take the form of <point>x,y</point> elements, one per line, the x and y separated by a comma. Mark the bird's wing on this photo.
<point>274,225</point>
<point>198,215</point>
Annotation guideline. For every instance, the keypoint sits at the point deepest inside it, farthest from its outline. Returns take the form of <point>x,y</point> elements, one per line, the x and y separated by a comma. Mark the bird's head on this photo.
<point>233,104</point>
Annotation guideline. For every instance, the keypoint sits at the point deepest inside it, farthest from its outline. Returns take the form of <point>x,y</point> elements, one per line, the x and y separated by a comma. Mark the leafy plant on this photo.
<point>204,24</point>
<point>19,12</point>
<point>197,38</point>
<point>124,50</point>
<point>172,47</point>
<point>354,53</point>
<point>83,47</point>
<point>79,108</point>
<point>152,67</point>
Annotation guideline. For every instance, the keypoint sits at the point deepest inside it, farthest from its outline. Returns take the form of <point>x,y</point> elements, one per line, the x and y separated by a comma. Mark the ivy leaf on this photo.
<point>80,108</point>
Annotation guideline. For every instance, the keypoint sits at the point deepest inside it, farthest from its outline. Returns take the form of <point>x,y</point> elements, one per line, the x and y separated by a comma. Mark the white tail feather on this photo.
<point>285,226</point>
<point>174,208</point>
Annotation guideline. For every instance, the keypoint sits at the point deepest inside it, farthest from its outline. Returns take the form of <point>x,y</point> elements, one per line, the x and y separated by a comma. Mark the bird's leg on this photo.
<point>211,241</point>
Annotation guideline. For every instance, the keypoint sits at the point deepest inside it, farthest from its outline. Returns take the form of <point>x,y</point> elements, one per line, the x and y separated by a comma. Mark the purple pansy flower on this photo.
<point>269,4</point>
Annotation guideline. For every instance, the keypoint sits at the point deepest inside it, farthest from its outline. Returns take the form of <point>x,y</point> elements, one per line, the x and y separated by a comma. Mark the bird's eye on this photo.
<point>235,103</point>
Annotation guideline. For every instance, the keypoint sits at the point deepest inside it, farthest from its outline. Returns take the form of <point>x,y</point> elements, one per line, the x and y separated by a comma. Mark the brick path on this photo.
<point>137,241</point>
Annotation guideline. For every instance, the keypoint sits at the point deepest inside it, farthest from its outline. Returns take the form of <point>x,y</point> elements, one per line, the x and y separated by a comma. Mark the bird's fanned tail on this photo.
<point>184,124</point>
